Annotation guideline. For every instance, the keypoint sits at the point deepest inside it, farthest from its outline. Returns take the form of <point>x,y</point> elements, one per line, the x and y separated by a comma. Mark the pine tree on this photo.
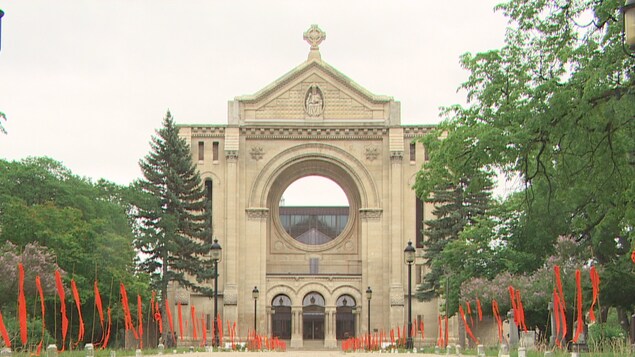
<point>174,232</point>
<point>456,206</point>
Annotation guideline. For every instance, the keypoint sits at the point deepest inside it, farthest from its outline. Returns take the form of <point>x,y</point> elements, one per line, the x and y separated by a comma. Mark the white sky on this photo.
<point>87,82</point>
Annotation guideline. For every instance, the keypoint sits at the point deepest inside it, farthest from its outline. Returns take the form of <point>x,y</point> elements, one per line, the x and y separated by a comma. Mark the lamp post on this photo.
<point>628,34</point>
<point>409,258</point>
<point>254,294</point>
<point>216,253</point>
<point>369,295</point>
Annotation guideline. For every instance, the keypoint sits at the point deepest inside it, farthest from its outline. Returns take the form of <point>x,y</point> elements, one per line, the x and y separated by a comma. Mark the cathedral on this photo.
<point>313,276</point>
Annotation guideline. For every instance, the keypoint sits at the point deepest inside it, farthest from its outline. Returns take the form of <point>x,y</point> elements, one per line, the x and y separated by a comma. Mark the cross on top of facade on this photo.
<point>314,36</point>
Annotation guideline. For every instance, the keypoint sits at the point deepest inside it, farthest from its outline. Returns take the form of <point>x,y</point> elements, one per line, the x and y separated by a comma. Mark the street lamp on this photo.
<point>628,34</point>
<point>409,258</point>
<point>216,252</point>
<point>254,294</point>
<point>369,295</point>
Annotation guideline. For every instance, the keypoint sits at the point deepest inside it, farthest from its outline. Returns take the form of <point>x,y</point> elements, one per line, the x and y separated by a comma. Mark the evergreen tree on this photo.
<point>174,234</point>
<point>458,204</point>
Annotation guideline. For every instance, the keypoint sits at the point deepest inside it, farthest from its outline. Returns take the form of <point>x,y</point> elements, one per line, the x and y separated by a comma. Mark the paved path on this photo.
<point>299,353</point>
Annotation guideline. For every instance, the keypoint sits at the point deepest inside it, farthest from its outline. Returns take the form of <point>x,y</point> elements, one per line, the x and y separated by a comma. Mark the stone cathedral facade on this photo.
<point>312,266</point>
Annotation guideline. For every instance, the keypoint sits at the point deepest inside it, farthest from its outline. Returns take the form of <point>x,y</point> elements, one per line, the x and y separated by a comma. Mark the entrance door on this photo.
<point>313,317</point>
<point>345,319</point>
<point>281,318</point>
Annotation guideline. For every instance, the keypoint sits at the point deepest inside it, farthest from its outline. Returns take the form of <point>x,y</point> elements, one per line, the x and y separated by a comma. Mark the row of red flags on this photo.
<point>374,341</point>
<point>197,324</point>
<point>363,342</point>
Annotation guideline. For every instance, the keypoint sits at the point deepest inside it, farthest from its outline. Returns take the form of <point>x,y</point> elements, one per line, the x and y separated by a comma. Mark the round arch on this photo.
<point>330,161</point>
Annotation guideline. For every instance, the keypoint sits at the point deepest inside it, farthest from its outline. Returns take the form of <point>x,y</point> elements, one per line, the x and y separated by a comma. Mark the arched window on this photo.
<point>281,318</point>
<point>345,317</point>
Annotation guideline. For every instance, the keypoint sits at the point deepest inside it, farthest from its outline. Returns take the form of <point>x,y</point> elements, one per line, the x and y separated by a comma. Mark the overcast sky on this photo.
<point>87,82</point>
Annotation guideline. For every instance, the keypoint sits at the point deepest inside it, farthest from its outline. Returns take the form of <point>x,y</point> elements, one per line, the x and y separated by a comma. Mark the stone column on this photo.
<point>513,330</point>
<point>230,241</point>
<point>330,339</point>
<point>296,326</point>
<point>395,222</point>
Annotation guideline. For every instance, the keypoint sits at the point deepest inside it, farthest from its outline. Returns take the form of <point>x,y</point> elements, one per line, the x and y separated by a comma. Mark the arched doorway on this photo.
<point>345,317</point>
<point>281,318</point>
<point>313,317</point>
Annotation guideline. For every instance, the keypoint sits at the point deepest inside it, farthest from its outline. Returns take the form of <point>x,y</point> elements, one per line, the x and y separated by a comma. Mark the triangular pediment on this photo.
<point>314,92</point>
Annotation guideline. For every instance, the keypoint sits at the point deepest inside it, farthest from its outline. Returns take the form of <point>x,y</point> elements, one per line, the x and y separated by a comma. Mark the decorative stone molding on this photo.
<point>314,36</point>
<point>257,213</point>
<point>231,155</point>
<point>314,101</point>
<point>257,152</point>
<point>396,157</point>
<point>300,133</point>
<point>230,295</point>
<point>370,213</point>
<point>396,297</point>
<point>181,296</point>
<point>372,152</point>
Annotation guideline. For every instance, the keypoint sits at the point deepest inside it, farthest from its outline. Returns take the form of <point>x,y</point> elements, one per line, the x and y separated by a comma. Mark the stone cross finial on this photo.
<point>314,36</point>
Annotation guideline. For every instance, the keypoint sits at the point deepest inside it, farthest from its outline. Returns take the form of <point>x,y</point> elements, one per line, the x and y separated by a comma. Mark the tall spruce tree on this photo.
<point>174,235</point>
<point>458,203</point>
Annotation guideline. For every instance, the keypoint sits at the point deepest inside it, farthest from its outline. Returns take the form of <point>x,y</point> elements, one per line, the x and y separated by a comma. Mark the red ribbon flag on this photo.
<point>595,283</point>
<point>440,339</point>
<point>193,313</point>
<point>126,311</point>
<point>5,334</point>
<point>78,303</point>
<point>99,306</point>
<point>499,322</point>
<point>478,308</point>
<point>180,312</point>
<point>38,285</point>
<point>62,295</point>
<point>22,305</point>
<point>170,322</point>
<point>140,320</point>
<point>103,347</point>
<point>580,326</point>
<point>468,330</point>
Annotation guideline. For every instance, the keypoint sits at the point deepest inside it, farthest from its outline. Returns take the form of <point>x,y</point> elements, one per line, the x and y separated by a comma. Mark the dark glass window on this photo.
<point>201,151</point>
<point>314,225</point>
<point>215,151</point>
<point>419,222</point>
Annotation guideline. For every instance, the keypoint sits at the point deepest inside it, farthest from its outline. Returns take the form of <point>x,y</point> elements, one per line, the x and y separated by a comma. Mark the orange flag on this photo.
<point>22,305</point>
<point>479,310</point>
<point>499,322</point>
<point>62,295</point>
<point>103,347</point>
<point>5,334</point>
<point>78,303</point>
<point>126,311</point>
<point>38,285</point>
<point>140,320</point>
<point>595,283</point>
<point>468,330</point>
<point>580,326</point>
<point>99,306</point>
<point>157,316</point>
<point>440,340</point>
<point>170,323</point>
<point>447,332</point>
<point>193,313</point>
<point>180,314</point>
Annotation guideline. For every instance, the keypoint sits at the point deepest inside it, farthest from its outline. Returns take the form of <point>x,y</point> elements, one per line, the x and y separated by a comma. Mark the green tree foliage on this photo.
<point>173,235</point>
<point>554,106</point>
<point>67,222</point>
